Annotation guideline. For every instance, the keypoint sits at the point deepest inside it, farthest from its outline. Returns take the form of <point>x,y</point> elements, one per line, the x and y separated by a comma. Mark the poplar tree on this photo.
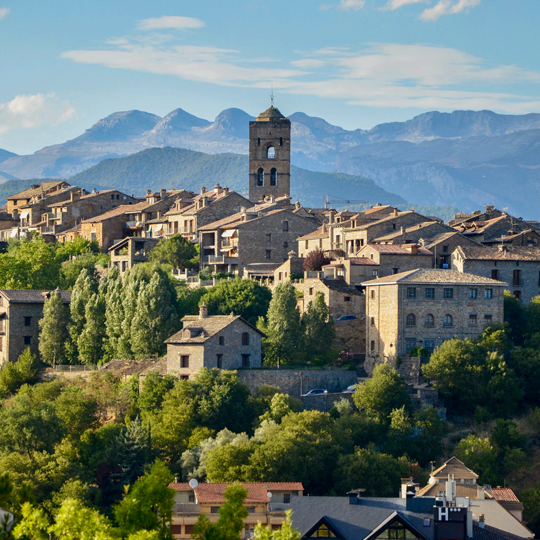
<point>320,333</point>
<point>114,312</point>
<point>53,328</point>
<point>90,342</point>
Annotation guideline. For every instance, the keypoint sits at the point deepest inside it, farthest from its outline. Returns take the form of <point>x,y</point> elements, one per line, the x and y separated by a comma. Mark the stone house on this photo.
<point>318,239</point>
<point>443,245</point>
<point>263,234</point>
<point>292,268</point>
<point>424,308</point>
<point>394,259</point>
<point>20,312</point>
<point>217,341</point>
<point>37,195</point>
<point>413,234</point>
<point>266,502</point>
<point>130,251</point>
<point>519,267</point>
<point>187,216</point>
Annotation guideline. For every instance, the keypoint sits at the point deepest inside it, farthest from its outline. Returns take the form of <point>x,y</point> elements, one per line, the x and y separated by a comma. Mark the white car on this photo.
<point>350,389</point>
<point>317,392</point>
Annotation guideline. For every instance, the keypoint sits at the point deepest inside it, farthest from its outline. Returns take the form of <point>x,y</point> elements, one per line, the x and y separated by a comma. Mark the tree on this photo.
<point>315,260</point>
<point>231,517</point>
<point>77,412</point>
<point>14,375</point>
<point>430,429</point>
<point>242,297</point>
<point>282,326</point>
<point>320,333</point>
<point>285,532</point>
<point>53,330</point>
<point>33,524</point>
<point>91,340</point>
<point>154,388</point>
<point>479,455</point>
<point>384,392</point>
<point>531,508</point>
<point>114,313</point>
<point>176,251</point>
<point>503,392</point>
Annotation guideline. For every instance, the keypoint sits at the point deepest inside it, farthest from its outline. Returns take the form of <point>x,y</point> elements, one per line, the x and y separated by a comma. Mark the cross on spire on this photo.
<point>272,97</point>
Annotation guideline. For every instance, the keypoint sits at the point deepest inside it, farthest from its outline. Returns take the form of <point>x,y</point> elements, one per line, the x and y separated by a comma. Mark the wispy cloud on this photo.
<point>354,5</point>
<point>447,7</point>
<point>4,12</point>
<point>396,4</point>
<point>30,111</point>
<point>178,23</point>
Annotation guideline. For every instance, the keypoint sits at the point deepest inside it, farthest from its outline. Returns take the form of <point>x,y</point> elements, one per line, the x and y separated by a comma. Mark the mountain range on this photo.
<point>465,158</point>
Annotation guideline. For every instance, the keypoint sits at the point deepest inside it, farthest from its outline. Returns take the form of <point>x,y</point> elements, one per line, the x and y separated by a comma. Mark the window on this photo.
<point>375,273</point>
<point>245,338</point>
<point>311,291</point>
<point>372,345</point>
<point>27,340</point>
<point>495,274</point>
<point>268,253</point>
<point>372,294</point>
<point>323,532</point>
<point>222,340</point>
<point>396,531</point>
<point>250,510</point>
<point>448,293</point>
<point>473,319</point>
<point>430,292</point>
<point>219,361</point>
<point>372,321</point>
<point>260,177</point>
<point>273,177</point>
<point>429,345</point>
<point>184,377</point>
<point>395,270</point>
<point>27,321</point>
<point>286,498</point>
<point>1,343</point>
<point>516,277</point>
<point>271,152</point>
<point>430,320</point>
<point>410,344</point>
<point>393,226</point>
<point>245,360</point>
<point>214,509</point>
<point>184,361</point>
<point>347,299</point>
<point>338,239</point>
<point>517,294</point>
<point>268,238</point>
<point>176,529</point>
<point>488,319</point>
<point>488,293</point>
<point>445,249</point>
<point>411,292</point>
<point>258,141</point>
<point>410,320</point>
<point>286,228</point>
<point>2,328</point>
<point>285,245</point>
<point>448,321</point>
<point>473,293</point>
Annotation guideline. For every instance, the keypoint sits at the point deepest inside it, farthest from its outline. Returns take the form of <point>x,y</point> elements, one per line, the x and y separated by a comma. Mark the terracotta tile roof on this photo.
<point>385,219</point>
<point>456,467</point>
<point>504,494</point>
<point>446,277</point>
<point>376,209</point>
<point>32,297</point>
<point>397,249</point>
<point>30,192</point>
<point>118,211</point>
<point>362,261</point>
<point>509,253</point>
<point>407,230</point>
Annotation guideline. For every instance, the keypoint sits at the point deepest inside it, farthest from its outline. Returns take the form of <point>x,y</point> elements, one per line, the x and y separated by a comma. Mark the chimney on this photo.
<point>402,230</point>
<point>355,495</point>
<point>396,212</point>
<point>481,494</point>
<point>481,521</point>
<point>162,194</point>
<point>297,205</point>
<point>203,190</point>
<point>331,213</point>
<point>412,248</point>
<point>203,311</point>
<point>225,190</point>
<point>94,190</point>
<point>217,188</point>
<point>148,192</point>
<point>450,489</point>
<point>405,484</point>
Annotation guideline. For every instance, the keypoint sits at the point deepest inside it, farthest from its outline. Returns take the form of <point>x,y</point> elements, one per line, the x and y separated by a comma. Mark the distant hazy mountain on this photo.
<point>157,168</point>
<point>4,154</point>
<point>464,158</point>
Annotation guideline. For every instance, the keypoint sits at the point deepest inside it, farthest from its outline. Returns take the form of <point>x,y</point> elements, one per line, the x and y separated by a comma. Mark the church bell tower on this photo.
<point>269,156</point>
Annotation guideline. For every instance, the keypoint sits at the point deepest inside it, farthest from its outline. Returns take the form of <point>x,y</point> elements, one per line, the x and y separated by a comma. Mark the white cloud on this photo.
<point>4,12</point>
<point>447,7</point>
<point>396,4</point>
<point>355,5</point>
<point>30,111</point>
<point>179,23</point>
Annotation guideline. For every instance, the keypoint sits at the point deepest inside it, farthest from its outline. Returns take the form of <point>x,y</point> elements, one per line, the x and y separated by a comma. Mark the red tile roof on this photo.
<point>504,494</point>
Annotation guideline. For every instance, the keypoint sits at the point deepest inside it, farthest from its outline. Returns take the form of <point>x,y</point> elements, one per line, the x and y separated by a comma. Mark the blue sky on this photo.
<point>356,63</point>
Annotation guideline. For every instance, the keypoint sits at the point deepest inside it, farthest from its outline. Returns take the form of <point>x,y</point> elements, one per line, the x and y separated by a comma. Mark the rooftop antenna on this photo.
<point>272,96</point>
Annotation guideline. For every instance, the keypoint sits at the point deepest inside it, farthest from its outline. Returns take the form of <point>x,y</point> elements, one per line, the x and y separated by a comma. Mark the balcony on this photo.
<point>222,259</point>
<point>279,507</point>
<point>186,508</point>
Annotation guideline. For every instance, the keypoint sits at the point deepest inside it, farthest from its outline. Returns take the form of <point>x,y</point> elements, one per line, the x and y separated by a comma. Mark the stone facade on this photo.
<point>131,251</point>
<point>519,267</point>
<point>38,195</point>
<point>269,156</point>
<point>293,265</point>
<point>423,308</point>
<point>394,259</point>
<point>219,341</point>
<point>20,312</point>
<point>443,245</point>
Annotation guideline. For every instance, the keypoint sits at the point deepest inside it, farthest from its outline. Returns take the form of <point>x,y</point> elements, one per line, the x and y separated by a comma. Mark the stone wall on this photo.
<point>296,382</point>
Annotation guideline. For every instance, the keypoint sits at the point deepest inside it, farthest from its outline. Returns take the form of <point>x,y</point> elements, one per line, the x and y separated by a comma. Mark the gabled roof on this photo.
<point>118,211</point>
<point>456,467</point>
<point>504,494</point>
<point>412,228</point>
<point>446,277</point>
<point>32,297</point>
<point>321,232</point>
<point>397,249</point>
<point>375,209</point>
<point>508,253</point>
<point>30,192</point>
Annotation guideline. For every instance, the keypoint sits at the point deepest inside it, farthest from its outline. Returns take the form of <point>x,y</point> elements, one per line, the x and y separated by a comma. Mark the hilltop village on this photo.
<point>211,337</point>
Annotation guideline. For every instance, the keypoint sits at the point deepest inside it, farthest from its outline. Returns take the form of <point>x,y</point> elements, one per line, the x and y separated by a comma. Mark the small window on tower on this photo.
<point>271,152</point>
<point>260,177</point>
<point>258,141</point>
<point>281,141</point>
<point>273,177</point>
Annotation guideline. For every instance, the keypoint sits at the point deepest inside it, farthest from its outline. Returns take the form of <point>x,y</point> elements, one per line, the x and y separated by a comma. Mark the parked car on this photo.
<point>347,318</point>
<point>317,392</point>
<point>350,389</point>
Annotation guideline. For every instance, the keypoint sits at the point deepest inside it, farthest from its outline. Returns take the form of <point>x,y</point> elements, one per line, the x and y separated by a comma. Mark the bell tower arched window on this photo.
<point>260,177</point>
<point>271,152</point>
<point>273,177</point>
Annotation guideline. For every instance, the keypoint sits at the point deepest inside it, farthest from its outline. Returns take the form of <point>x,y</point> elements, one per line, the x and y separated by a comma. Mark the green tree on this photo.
<point>14,375</point>
<point>77,412</point>
<point>154,388</point>
<point>384,392</point>
<point>285,532</point>
<point>503,391</point>
<point>91,340</point>
<point>243,297</point>
<point>430,428</point>
<point>479,455</point>
<point>114,313</point>
<point>176,251</point>
<point>320,333</point>
<point>282,326</point>
<point>33,524</point>
<point>514,317</point>
<point>531,508</point>
<point>75,247</point>
<point>526,363</point>
<point>53,330</point>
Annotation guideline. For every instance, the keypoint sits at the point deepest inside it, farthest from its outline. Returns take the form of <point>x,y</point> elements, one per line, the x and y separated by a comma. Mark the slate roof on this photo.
<point>341,286</point>
<point>32,297</point>
<point>375,209</point>
<point>134,367</point>
<point>491,533</point>
<point>30,192</point>
<point>406,230</point>
<point>509,253</point>
<point>318,233</point>
<point>362,261</point>
<point>398,249</point>
<point>118,211</point>
<point>446,277</point>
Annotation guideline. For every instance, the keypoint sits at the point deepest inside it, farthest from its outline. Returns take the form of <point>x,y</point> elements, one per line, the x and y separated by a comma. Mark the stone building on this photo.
<point>20,312</point>
<point>217,341</point>
<point>263,234</point>
<point>394,259</point>
<point>291,269</point>
<point>424,308</point>
<point>37,195</point>
<point>319,239</point>
<point>269,156</point>
<point>130,251</point>
<point>266,502</point>
<point>519,267</point>
<point>443,245</point>
<point>413,234</point>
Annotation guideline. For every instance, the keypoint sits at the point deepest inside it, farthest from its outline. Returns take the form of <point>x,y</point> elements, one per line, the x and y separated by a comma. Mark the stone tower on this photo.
<point>269,156</point>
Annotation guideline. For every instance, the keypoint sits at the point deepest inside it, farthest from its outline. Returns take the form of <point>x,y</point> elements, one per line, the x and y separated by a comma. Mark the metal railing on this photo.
<point>186,508</point>
<point>278,507</point>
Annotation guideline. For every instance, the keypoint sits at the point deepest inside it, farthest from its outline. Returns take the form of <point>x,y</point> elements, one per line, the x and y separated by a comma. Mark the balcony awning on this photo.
<point>228,234</point>
<point>159,227</point>
<point>13,233</point>
<point>229,248</point>
<point>24,215</point>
